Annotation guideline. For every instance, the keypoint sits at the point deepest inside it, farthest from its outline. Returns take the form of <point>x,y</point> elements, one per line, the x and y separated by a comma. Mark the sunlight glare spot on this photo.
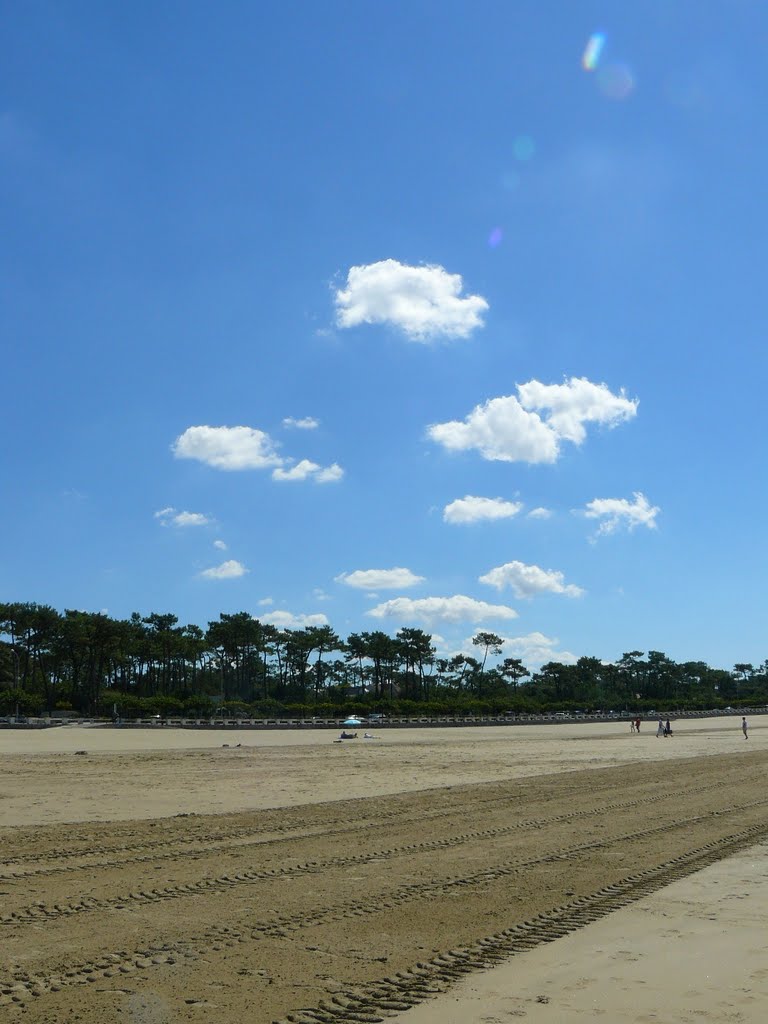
<point>592,51</point>
<point>616,81</point>
<point>523,147</point>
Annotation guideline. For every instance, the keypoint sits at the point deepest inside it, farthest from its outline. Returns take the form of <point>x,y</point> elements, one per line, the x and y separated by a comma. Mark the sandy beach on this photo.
<point>547,872</point>
<point>157,772</point>
<point>693,952</point>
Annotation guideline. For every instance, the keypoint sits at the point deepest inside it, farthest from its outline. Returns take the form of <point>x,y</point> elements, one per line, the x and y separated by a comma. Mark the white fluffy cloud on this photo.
<point>287,620</point>
<point>329,474</point>
<point>501,430</point>
<point>220,545</point>
<point>228,570</point>
<point>569,406</point>
<point>620,512</point>
<point>529,580</point>
<point>171,517</point>
<point>540,513</point>
<point>228,447</point>
<point>379,579</point>
<point>535,649</point>
<point>305,423</point>
<point>470,509</point>
<point>306,470</point>
<point>238,448</point>
<point>424,302</point>
<point>457,608</point>
<point>511,429</point>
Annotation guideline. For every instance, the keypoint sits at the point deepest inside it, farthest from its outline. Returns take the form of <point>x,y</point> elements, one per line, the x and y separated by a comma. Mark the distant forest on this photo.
<point>93,664</point>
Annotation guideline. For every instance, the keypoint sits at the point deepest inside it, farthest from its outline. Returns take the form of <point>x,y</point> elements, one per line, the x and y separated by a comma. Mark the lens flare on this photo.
<point>495,237</point>
<point>523,147</point>
<point>592,51</point>
<point>616,81</point>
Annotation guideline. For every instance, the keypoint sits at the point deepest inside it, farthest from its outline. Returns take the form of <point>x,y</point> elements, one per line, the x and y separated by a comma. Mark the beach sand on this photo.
<point>692,953</point>
<point>159,771</point>
<point>163,877</point>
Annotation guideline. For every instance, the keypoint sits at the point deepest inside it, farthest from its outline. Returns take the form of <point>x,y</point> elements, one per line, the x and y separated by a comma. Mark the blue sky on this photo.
<point>440,272</point>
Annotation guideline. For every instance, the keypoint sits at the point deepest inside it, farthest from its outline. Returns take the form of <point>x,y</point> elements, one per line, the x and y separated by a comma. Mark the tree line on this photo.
<point>91,663</point>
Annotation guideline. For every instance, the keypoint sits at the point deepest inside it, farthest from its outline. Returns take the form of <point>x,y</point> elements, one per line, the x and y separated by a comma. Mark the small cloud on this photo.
<point>300,471</point>
<point>265,601</point>
<point>511,429</point>
<point>423,302</point>
<point>191,519</point>
<point>470,509</point>
<point>330,474</point>
<point>306,423</point>
<point>620,512</point>
<point>220,545</point>
<point>287,620</point>
<point>239,448</point>
<point>306,470</point>
<point>458,608</point>
<point>540,513</point>
<point>534,650</point>
<point>170,517</point>
<point>379,579</point>
<point>529,580</point>
<point>229,570</point>
<point>229,448</point>
<point>569,406</point>
<point>320,595</point>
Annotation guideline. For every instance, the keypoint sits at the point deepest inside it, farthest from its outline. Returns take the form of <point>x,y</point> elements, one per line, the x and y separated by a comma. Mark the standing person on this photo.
<point>632,725</point>
<point>660,728</point>
<point>744,728</point>
<point>667,728</point>
<point>637,725</point>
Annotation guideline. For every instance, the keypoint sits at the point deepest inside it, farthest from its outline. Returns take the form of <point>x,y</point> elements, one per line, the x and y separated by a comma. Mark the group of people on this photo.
<point>665,728</point>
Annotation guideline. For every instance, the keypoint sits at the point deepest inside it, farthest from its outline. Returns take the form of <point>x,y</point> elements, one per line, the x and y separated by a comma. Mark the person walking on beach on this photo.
<point>667,728</point>
<point>637,725</point>
<point>632,725</point>
<point>744,728</point>
<point>660,729</point>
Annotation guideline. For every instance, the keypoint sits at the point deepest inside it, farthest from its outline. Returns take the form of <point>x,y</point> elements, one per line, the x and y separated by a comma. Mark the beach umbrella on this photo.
<point>352,721</point>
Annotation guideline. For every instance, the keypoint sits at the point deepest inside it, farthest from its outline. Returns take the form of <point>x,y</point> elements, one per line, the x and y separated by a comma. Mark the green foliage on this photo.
<point>240,667</point>
<point>27,703</point>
